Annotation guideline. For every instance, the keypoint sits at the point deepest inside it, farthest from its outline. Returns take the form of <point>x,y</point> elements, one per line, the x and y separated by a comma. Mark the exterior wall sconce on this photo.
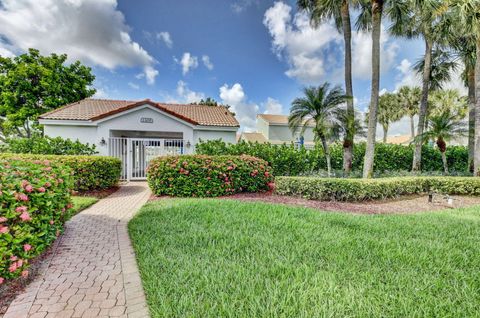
<point>188,144</point>
<point>103,142</point>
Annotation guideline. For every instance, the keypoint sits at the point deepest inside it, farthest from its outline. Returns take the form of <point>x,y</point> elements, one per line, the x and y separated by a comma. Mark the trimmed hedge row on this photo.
<point>208,176</point>
<point>330,189</point>
<point>49,146</point>
<point>34,204</point>
<point>286,160</point>
<point>89,172</point>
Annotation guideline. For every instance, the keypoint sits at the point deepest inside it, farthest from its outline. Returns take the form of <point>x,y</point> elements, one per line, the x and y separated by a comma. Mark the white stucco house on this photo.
<point>137,131</point>
<point>274,129</point>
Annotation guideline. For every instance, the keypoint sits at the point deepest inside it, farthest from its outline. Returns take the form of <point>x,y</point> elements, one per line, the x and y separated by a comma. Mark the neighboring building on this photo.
<point>137,131</point>
<point>274,129</point>
<point>399,139</point>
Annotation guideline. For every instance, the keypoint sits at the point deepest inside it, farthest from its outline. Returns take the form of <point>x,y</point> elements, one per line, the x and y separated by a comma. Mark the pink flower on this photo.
<point>21,209</point>
<point>13,258</point>
<point>41,189</point>
<point>27,247</point>
<point>271,185</point>
<point>28,188</point>
<point>3,229</point>
<point>266,174</point>
<point>51,222</point>
<point>25,217</point>
<point>21,197</point>
<point>69,206</point>
<point>12,268</point>
<point>47,184</point>
<point>24,183</point>
<point>25,274</point>
<point>2,280</point>
<point>3,219</point>
<point>20,263</point>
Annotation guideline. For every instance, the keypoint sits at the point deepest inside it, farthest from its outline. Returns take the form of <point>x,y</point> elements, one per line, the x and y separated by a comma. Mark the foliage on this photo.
<point>282,261</point>
<point>49,146</point>
<point>89,172</point>
<point>286,160</point>
<point>35,202</point>
<point>388,112</point>
<point>208,176</point>
<point>32,84</point>
<point>373,189</point>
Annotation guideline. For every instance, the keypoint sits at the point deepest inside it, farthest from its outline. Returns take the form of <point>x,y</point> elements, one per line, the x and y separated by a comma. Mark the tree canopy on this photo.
<point>32,84</point>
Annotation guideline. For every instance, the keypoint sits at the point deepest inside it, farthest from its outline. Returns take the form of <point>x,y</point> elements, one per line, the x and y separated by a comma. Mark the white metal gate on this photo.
<point>136,153</point>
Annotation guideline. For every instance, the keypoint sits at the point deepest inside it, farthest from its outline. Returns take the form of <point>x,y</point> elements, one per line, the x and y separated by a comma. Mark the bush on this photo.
<point>35,202</point>
<point>208,176</point>
<point>48,146</point>
<point>331,189</point>
<point>286,160</point>
<point>89,172</point>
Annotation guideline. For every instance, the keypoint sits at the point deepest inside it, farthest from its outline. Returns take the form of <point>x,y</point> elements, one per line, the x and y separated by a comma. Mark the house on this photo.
<point>274,129</point>
<point>137,131</point>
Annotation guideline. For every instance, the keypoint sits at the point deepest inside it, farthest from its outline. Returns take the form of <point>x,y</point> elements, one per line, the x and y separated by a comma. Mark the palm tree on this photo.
<point>370,19</point>
<point>409,99</point>
<point>318,108</point>
<point>448,100</point>
<point>422,20</point>
<point>443,127</point>
<point>467,13</point>
<point>388,112</point>
<point>321,11</point>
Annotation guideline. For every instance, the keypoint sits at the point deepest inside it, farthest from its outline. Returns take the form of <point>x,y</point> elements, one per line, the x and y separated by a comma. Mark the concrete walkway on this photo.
<point>92,271</point>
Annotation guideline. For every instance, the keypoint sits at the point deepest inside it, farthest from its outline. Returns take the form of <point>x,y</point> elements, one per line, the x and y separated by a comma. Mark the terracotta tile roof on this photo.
<point>254,137</point>
<point>399,140</point>
<point>94,109</point>
<point>276,119</point>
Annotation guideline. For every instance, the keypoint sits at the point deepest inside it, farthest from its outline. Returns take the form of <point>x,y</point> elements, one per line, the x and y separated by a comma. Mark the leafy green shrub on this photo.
<point>89,172</point>
<point>286,160</point>
<point>208,176</point>
<point>34,203</point>
<point>331,189</point>
<point>49,146</point>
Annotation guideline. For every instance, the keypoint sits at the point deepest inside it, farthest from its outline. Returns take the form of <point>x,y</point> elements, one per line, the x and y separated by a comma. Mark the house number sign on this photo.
<point>146,120</point>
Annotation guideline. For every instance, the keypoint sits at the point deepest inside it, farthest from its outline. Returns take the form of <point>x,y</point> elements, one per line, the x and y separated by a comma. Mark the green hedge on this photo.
<point>288,161</point>
<point>34,203</point>
<point>331,189</point>
<point>89,172</point>
<point>48,146</point>
<point>208,176</point>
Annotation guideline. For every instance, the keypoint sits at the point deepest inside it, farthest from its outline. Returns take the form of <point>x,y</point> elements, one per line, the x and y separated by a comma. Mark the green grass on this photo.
<point>81,203</point>
<point>221,258</point>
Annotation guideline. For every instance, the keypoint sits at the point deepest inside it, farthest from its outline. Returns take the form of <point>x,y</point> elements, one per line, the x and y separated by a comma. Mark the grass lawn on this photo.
<point>222,258</point>
<point>81,203</point>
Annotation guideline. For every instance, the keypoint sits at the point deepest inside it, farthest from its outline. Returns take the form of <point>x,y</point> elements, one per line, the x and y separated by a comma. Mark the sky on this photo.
<point>255,55</point>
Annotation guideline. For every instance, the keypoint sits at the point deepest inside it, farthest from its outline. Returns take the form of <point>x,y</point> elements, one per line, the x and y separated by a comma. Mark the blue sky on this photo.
<point>255,55</point>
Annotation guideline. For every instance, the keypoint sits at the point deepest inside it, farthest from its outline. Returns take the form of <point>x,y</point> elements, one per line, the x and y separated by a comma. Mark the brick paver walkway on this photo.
<point>92,272</point>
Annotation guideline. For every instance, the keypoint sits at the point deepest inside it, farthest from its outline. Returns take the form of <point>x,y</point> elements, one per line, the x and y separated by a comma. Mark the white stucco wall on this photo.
<point>283,133</point>
<point>85,134</point>
<point>262,126</point>
<point>226,136</point>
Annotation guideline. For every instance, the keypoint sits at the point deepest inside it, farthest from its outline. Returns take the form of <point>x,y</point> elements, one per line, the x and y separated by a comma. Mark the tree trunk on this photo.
<point>377,8</point>
<point>349,136</point>
<point>471,116</point>
<point>412,127</point>
<point>326,150</point>
<point>417,155</point>
<point>476,155</point>
<point>445,165</point>
<point>385,133</point>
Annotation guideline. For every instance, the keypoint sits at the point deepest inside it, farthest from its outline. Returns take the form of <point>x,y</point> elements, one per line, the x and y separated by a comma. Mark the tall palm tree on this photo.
<point>422,20</point>
<point>318,108</point>
<point>409,99</point>
<point>370,19</point>
<point>339,10</point>
<point>467,12</point>
<point>388,112</point>
<point>448,100</point>
<point>443,127</point>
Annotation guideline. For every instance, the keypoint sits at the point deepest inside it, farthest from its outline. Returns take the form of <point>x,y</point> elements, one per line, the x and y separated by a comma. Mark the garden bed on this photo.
<point>407,204</point>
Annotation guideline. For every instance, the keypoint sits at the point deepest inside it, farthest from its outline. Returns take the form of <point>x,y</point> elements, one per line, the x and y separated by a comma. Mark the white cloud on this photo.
<point>245,112</point>
<point>206,61</point>
<point>133,85</point>
<point>186,95</point>
<point>165,38</point>
<point>296,40</point>
<point>100,93</point>
<point>188,62</point>
<point>150,74</point>
<point>407,76</point>
<point>241,5</point>
<point>273,106</point>
<point>93,31</point>
<point>362,53</point>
